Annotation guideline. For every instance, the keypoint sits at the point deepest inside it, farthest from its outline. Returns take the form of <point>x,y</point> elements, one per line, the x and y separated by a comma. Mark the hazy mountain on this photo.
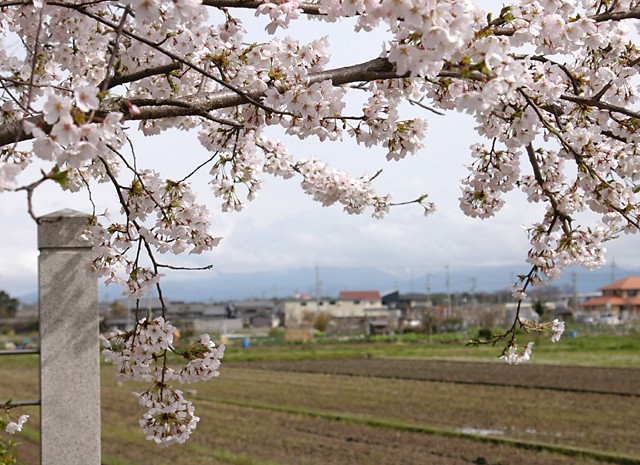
<point>329,281</point>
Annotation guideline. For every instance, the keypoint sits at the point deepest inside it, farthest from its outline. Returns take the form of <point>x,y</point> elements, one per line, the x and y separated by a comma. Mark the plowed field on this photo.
<point>398,412</point>
<point>625,381</point>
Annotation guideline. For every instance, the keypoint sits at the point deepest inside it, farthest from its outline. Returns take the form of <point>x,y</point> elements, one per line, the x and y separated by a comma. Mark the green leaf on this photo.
<point>61,177</point>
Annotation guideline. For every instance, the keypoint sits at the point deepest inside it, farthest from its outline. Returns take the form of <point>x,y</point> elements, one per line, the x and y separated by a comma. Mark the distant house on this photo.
<point>526,311</point>
<point>356,303</point>
<point>412,305</point>
<point>256,313</point>
<point>354,306</point>
<point>413,308</point>
<point>619,301</point>
<point>205,317</point>
<point>123,313</point>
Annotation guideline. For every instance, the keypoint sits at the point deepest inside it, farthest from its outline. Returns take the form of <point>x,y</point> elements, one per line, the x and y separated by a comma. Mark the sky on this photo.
<point>285,229</point>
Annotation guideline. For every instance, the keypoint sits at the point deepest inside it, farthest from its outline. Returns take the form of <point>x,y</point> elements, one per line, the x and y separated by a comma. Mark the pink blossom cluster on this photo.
<point>281,13</point>
<point>135,352</point>
<point>75,141</point>
<point>170,418</point>
<point>513,356</point>
<point>8,173</point>
<point>324,184</point>
<point>161,213</point>
<point>140,354</point>
<point>203,360</point>
<point>493,173</point>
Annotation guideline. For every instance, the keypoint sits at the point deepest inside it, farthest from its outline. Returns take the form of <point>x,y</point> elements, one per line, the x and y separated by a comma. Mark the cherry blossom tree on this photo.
<point>552,86</point>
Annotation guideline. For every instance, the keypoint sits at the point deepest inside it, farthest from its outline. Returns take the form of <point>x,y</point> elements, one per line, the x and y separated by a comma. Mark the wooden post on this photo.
<point>69,345</point>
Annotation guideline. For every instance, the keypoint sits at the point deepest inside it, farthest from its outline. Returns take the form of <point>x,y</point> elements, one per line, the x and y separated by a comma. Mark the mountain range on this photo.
<point>329,281</point>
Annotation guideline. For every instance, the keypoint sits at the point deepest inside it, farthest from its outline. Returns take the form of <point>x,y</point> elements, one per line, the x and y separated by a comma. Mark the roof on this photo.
<point>359,295</point>
<point>605,300</point>
<point>628,283</point>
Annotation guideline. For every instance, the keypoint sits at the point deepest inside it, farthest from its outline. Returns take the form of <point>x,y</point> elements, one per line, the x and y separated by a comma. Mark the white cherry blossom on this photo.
<point>557,328</point>
<point>15,426</point>
<point>513,356</point>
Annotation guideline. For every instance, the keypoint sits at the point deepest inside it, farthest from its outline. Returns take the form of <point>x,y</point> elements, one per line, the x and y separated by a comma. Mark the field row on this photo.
<point>621,381</point>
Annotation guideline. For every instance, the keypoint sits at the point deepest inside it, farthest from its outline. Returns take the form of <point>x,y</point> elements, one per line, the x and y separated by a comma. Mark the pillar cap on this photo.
<point>62,229</point>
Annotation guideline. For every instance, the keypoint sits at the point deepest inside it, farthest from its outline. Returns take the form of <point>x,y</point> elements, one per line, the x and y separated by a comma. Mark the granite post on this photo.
<point>69,345</point>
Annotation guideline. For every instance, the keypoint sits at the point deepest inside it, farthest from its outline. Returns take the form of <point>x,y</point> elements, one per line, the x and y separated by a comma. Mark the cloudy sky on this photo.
<point>285,229</point>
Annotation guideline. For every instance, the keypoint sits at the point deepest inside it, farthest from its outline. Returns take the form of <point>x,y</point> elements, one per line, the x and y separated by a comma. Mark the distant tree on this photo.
<point>8,305</point>
<point>118,310</point>
<point>540,307</point>
<point>321,321</point>
<point>430,323</point>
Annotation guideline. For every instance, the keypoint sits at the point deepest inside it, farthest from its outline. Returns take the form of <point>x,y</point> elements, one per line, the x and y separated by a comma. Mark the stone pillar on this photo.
<point>69,345</point>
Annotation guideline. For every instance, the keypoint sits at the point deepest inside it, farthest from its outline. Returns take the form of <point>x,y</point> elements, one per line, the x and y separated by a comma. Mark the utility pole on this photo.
<point>473,290</point>
<point>448,311</point>
<point>574,280</point>
<point>613,269</point>
<point>411,288</point>
<point>318,288</point>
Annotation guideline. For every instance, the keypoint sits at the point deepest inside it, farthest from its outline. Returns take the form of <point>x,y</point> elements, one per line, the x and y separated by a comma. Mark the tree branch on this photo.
<point>633,13</point>
<point>138,75</point>
<point>307,7</point>
<point>197,104</point>
<point>593,102</point>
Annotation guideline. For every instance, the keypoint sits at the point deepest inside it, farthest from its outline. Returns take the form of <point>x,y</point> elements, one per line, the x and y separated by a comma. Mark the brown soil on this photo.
<point>411,392</point>
<point>625,381</point>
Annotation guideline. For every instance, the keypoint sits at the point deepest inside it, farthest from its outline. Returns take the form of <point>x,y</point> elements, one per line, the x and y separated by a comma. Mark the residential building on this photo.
<point>256,313</point>
<point>620,301</point>
<point>350,305</point>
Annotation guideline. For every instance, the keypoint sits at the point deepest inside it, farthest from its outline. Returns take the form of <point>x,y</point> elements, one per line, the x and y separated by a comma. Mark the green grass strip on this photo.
<point>223,455</point>
<point>228,456</point>
<point>400,426</point>
<point>108,459</point>
<point>30,434</point>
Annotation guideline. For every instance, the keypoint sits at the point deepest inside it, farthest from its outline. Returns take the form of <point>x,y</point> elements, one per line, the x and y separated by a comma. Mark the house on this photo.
<point>620,301</point>
<point>256,313</point>
<point>412,305</point>
<point>350,306</point>
<point>414,309</point>
<point>526,311</point>
<point>205,317</point>
<point>123,313</point>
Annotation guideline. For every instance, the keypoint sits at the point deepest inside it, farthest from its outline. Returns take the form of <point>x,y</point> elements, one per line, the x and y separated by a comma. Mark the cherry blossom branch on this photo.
<point>175,57</point>
<point>307,7</point>
<point>633,13</point>
<point>581,165</point>
<point>184,268</point>
<point>34,61</point>
<point>141,74</point>
<point>198,104</point>
<point>597,103</point>
<point>104,85</point>
<point>541,182</point>
<point>30,189</point>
